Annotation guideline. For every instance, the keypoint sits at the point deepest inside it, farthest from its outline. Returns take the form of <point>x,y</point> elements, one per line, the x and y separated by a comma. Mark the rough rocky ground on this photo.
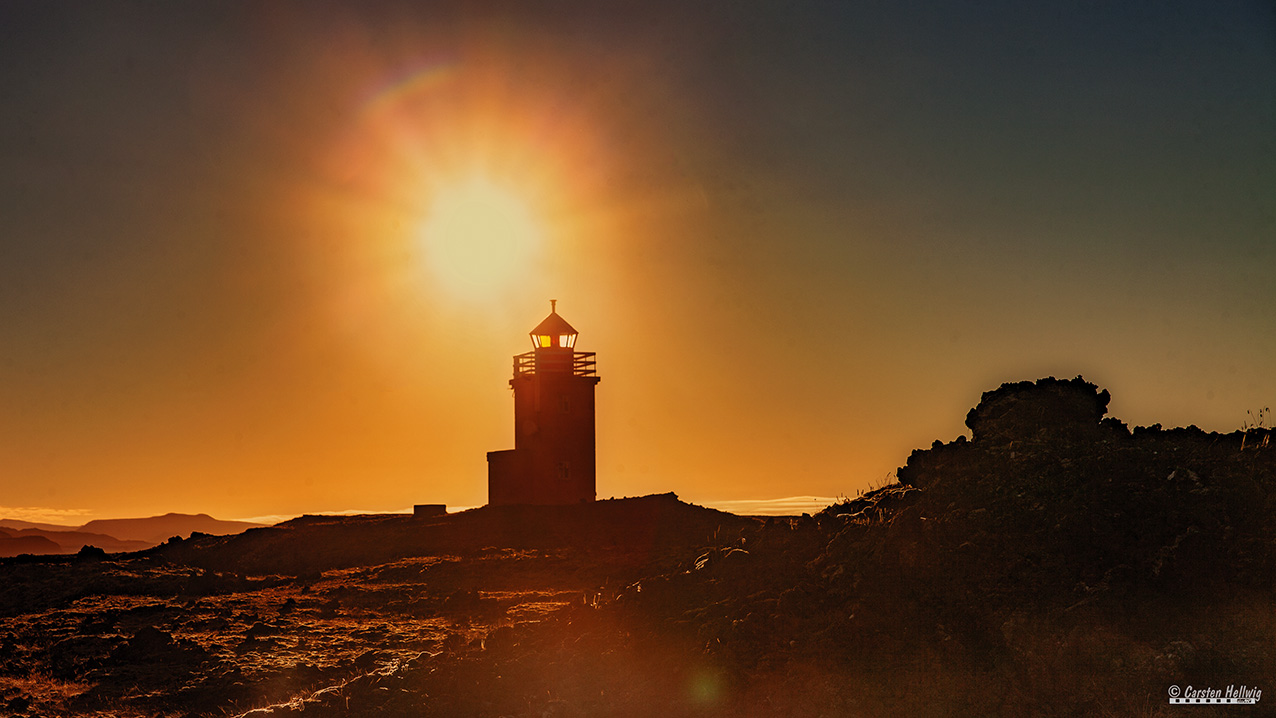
<point>1057,564</point>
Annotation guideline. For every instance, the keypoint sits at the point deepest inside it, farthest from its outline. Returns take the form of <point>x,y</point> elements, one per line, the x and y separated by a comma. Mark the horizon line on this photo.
<point>780,506</point>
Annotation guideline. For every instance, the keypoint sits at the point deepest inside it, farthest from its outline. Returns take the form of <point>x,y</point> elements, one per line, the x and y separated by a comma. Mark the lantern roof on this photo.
<point>553,325</point>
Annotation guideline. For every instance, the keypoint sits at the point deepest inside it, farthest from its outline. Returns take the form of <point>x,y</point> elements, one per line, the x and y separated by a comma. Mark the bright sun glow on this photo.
<point>479,237</point>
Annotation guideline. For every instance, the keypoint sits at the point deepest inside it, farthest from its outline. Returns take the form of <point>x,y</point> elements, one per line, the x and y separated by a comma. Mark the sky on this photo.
<point>802,237</point>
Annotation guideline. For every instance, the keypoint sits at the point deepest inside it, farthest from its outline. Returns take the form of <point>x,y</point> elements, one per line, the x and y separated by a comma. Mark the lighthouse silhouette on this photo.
<point>552,461</point>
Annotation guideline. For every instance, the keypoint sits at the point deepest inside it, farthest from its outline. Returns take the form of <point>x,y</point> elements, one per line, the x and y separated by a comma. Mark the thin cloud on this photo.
<point>788,506</point>
<point>45,515</point>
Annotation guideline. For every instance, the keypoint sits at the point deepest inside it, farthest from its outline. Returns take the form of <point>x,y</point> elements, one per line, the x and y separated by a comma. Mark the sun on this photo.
<point>479,237</point>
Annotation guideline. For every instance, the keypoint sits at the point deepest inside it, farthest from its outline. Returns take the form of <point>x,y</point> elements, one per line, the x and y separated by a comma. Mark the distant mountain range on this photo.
<point>17,524</point>
<point>111,535</point>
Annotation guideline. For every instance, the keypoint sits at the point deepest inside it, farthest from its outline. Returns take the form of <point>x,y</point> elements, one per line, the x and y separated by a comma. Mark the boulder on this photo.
<point>1048,409</point>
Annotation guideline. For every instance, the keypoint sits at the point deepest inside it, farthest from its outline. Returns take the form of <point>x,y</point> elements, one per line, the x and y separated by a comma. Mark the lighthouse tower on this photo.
<point>552,461</point>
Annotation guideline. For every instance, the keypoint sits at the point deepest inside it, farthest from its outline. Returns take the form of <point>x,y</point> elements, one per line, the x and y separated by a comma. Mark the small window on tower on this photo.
<point>564,470</point>
<point>564,405</point>
<point>546,340</point>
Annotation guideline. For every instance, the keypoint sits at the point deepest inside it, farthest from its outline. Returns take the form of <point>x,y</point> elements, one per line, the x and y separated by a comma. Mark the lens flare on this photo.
<point>421,82</point>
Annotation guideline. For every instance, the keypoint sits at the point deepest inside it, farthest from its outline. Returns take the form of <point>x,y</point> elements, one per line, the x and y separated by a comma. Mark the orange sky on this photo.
<point>800,245</point>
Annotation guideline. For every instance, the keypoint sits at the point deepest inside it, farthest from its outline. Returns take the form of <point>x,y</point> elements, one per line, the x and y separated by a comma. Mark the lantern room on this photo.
<point>554,332</point>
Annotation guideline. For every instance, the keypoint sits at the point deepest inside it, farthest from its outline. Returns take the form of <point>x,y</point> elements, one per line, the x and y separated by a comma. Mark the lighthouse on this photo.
<point>552,461</point>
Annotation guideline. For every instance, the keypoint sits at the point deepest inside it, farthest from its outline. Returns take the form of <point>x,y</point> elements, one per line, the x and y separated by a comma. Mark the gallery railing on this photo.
<point>555,361</point>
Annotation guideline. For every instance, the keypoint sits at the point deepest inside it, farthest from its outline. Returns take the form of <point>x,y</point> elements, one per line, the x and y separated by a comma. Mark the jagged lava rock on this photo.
<point>1028,411</point>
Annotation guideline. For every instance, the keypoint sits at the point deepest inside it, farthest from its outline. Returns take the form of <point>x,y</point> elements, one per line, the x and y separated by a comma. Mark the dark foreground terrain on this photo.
<point>1057,564</point>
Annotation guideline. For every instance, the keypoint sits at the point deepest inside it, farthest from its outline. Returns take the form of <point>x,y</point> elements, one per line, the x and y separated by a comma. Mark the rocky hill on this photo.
<point>110,535</point>
<point>15,542</point>
<point>156,529</point>
<point>1056,564</point>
